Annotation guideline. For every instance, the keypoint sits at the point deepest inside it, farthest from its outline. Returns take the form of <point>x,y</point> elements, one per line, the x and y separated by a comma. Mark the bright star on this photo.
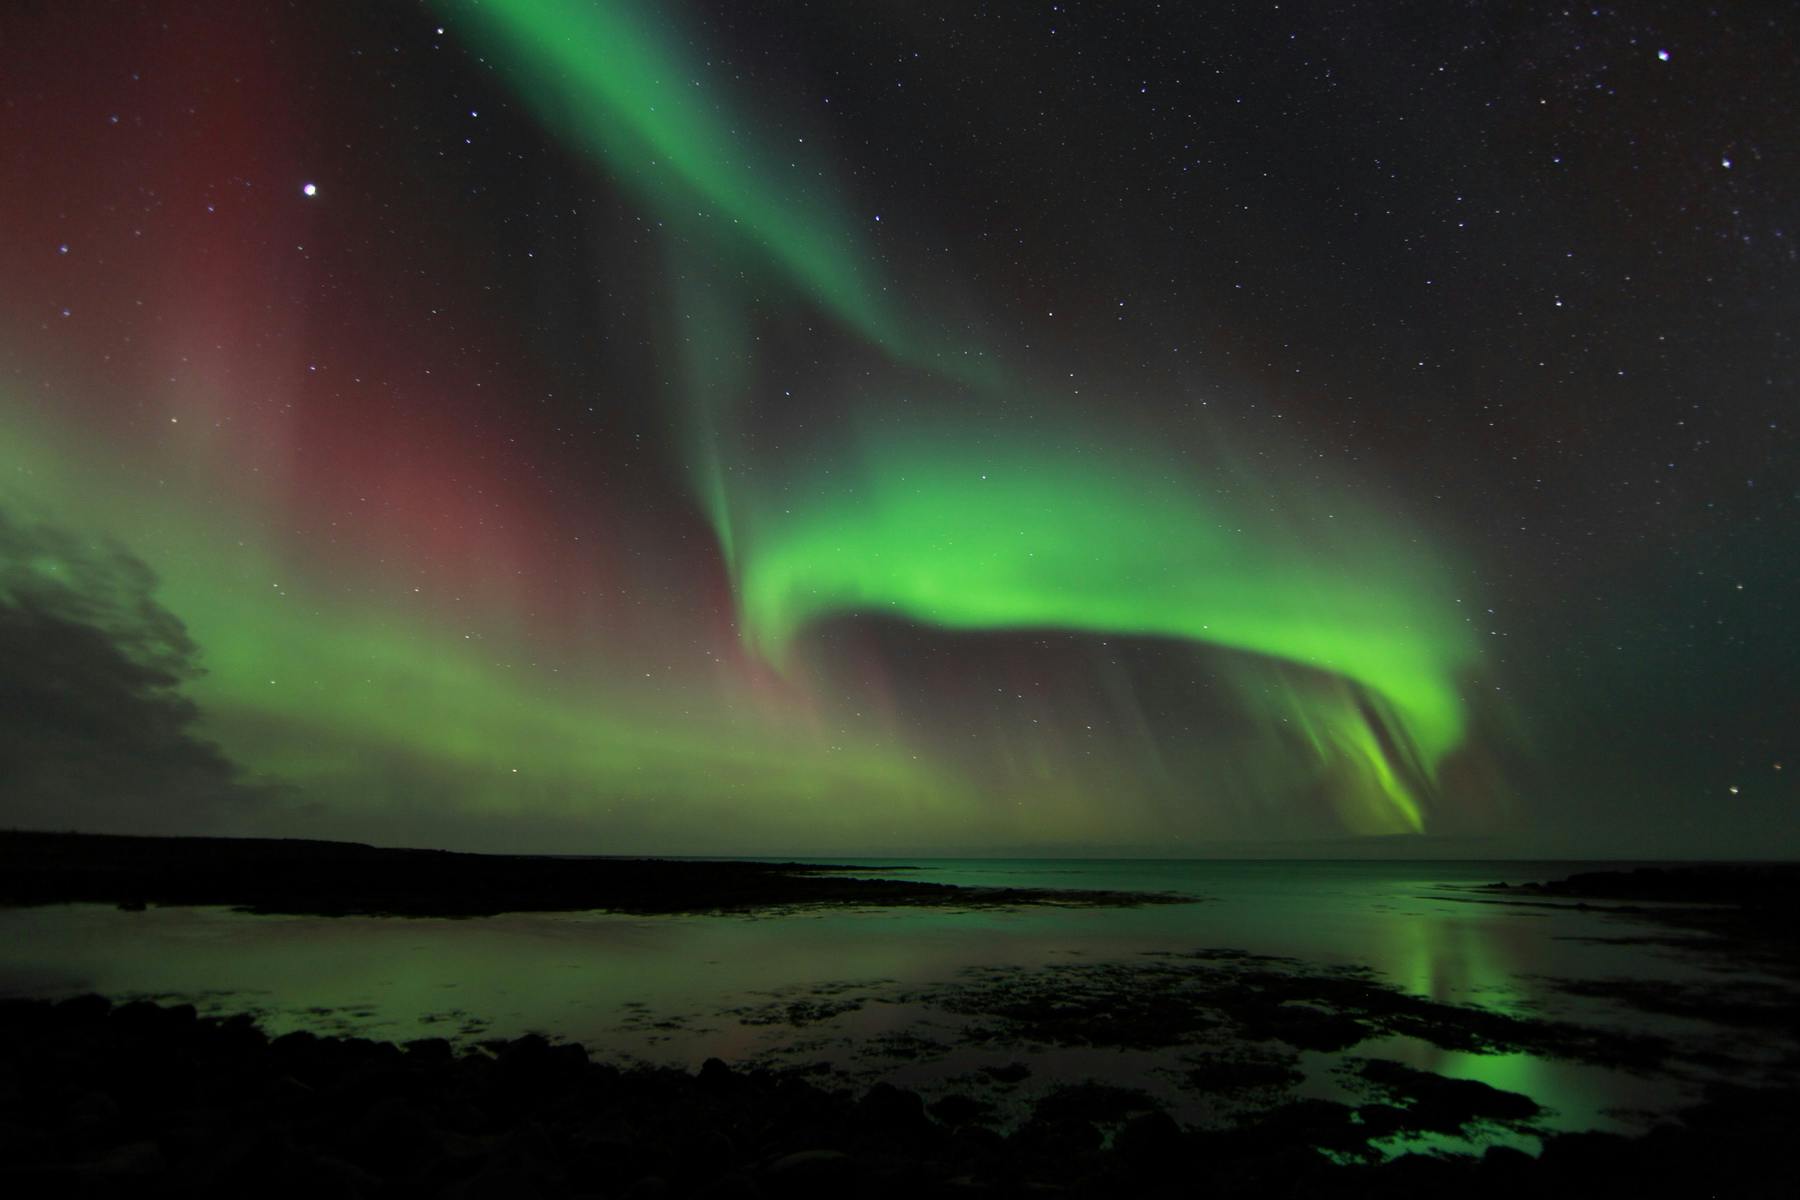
<point>309,189</point>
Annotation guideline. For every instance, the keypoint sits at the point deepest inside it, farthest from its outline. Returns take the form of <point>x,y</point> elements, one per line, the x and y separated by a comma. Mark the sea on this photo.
<point>855,995</point>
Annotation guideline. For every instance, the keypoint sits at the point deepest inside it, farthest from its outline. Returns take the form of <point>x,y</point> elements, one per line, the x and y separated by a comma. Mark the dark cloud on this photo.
<point>95,733</point>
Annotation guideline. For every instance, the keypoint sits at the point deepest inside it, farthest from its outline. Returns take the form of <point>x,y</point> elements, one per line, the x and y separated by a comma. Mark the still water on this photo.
<point>679,989</point>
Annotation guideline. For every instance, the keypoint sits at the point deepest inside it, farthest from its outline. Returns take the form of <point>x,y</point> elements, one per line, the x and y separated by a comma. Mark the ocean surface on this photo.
<point>848,993</point>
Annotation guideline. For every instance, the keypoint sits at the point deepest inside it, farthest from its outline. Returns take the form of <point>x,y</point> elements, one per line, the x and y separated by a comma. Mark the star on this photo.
<point>309,189</point>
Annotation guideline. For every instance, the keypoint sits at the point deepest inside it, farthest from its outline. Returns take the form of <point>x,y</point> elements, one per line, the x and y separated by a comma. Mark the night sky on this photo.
<point>903,426</point>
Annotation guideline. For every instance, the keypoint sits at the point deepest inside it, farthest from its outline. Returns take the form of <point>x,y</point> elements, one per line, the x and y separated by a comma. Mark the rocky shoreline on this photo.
<point>144,1100</point>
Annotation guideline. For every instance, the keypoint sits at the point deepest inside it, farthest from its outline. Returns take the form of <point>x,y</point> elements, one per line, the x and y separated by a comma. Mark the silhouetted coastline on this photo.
<point>1744,885</point>
<point>1750,910</point>
<point>321,878</point>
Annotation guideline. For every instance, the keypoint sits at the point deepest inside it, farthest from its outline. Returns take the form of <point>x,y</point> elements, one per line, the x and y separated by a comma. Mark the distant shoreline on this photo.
<point>1745,883</point>
<point>319,878</point>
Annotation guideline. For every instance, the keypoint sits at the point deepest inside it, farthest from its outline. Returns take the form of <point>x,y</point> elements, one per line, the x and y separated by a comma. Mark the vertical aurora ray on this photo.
<point>713,348</point>
<point>611,77</point>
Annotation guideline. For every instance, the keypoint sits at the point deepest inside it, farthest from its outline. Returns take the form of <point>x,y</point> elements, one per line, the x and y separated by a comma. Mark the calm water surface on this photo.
<point>679,989</point>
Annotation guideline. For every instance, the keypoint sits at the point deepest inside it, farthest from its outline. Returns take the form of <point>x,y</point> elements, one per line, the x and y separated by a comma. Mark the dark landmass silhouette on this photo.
<point>1749,911</point>
<point>345,878</point>
<point>1743,884</point>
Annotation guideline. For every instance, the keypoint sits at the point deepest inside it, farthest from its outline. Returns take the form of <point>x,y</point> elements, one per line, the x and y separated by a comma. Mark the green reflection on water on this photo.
<point>660,988</point>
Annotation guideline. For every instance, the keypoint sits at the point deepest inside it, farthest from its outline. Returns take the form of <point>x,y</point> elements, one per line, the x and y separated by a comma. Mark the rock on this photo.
<point>1506,1162</point>
<point>1148,1142</point>
<point>1097,1102</point>
<point>235,1161</point>
<point>139,1016</point>
<point>709,1152</point>
<point>536,1065</point>
<point>240,1034</point>
<point>611,1152</point>
<point>392,1136</point>
<point>525,1145</point>
<point>298,1044</point>
<point>499,1183</point>
<point>84,1008</point>
<point>1311,1122</point>
<point>812,1173</point>
<point>91,1121</point>
<point>1381,1120</point>
<point>733,1185</point>
<point>1010,1073</point>
<point>892,1110</point>
<point>1306,1028</point>
<point>978,1144</point>
<point>1063,1137</point>
<point>958,1109</point>
<point>435,1051</point>
<point>21,1144</point>
<point>132,1160</point>
<point>1445,1105</point>
<point>95,1107</point>
<point>285,1095</point>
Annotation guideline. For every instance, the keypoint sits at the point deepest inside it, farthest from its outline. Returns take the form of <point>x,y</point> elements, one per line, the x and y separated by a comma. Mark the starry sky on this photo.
<point>903,427</point>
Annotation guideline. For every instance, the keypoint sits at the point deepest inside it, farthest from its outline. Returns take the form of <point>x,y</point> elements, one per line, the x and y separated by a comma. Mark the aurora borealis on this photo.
<point>598,425</point>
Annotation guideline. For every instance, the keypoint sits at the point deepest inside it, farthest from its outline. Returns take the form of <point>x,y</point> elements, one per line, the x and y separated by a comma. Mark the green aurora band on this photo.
<point>1121,543</point>
<point>375,695</point>
<point>1031,534</point>
<point>612,79</point>
<point>375,702</point>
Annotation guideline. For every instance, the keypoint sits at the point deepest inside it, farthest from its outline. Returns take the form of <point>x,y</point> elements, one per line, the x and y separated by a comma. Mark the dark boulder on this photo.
<point>1148,1143</point>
